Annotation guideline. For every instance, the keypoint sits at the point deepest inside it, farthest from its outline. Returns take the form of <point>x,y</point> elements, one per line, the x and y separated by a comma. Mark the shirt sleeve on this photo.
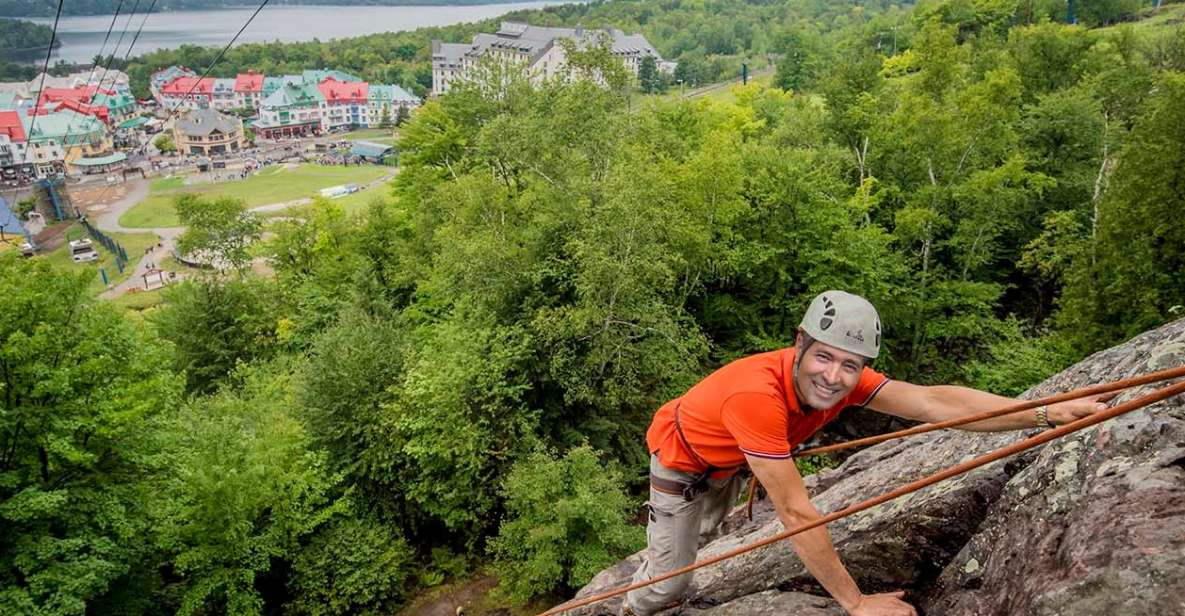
<point>870,384</point>
<point>758,423</point>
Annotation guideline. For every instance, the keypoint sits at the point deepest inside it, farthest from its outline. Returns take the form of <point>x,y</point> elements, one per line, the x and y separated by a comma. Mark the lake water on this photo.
<point>82,36</point>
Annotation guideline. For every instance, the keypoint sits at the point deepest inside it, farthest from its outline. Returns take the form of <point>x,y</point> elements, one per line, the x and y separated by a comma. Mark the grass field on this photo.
<point>377,135</point>
<point>140,302</point>
<point>352,203</point>
<point>272,185</point>
<point>134,243</point>
<point>1169,17</point>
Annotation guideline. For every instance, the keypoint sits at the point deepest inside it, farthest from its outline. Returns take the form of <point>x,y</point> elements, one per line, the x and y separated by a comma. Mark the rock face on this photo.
<point>1090,524</point>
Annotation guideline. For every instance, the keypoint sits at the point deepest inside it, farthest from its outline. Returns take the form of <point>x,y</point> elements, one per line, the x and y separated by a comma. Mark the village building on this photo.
<point>344,104</point>
<point>206,132</point>
<point>536,50</point>
<point>187,92</point>
<point>290,111</point>
<point>222,94</point>
<point>108,106</point>
<point>316,76</point>
<point>248,90</point>
<point>63,140</point>
<point>12,148</point>
<point>116,81</point>
<point>164,76</point>
<point>288,105</point>
<point>388,100</point>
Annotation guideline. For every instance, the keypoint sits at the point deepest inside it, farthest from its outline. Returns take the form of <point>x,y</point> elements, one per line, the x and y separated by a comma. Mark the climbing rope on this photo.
<point>953,471</point>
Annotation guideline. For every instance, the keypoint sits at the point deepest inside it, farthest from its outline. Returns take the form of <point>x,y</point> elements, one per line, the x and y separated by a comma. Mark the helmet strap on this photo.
<point>807,341</point>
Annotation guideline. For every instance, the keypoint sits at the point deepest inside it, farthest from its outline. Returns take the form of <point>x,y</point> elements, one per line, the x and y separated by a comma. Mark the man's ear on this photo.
<point>798,340</point>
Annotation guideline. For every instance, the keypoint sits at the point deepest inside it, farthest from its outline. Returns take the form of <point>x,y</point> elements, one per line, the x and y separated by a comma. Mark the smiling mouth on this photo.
<point>825,392</point>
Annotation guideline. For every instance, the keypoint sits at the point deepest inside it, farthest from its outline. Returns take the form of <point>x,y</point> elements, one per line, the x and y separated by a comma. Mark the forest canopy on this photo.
<point>406,394</point>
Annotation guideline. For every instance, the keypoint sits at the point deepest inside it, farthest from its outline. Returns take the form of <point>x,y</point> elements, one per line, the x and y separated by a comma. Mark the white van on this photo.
<point>82,251</point>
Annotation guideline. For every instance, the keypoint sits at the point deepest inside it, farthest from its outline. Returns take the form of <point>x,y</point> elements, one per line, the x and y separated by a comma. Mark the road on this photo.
<point>136,191</point>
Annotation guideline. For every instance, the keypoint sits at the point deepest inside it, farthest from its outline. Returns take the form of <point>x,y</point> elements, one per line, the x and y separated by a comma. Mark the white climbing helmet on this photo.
<point>844,321</point>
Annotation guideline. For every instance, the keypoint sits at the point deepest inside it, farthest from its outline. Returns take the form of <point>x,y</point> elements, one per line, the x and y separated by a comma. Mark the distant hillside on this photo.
<point>17,36</point>
<point>46,8</point>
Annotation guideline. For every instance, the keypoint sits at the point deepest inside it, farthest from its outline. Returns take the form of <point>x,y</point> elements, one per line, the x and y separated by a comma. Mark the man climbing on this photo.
<point>755,411</point>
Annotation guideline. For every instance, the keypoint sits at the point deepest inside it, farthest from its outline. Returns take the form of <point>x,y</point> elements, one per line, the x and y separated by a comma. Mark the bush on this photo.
<point>1017,362</point>
<point>354,566</point>
<point>566,520</point>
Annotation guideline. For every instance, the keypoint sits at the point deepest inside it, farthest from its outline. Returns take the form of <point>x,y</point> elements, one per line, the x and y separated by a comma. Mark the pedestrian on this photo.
<point>754,411</point>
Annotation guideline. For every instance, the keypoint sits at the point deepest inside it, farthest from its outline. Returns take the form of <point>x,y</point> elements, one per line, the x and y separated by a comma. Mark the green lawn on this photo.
<point>272,185</point>
<point>134,243</point>
<point>140,301</point>
<point>1169,17</point>
<point>377,135</point>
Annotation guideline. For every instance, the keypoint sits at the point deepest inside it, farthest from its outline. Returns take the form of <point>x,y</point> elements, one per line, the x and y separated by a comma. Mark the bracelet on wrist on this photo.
<point>1043,418</point>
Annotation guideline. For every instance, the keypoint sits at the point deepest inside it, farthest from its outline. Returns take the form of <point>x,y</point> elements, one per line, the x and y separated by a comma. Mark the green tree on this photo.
<point>385,116</point>
<point>215,324</point>
<point>354,565</point>
<point>1126,279</point>
<point>566,519</point>
<point>649,79</point>
<point>82,391</point>
<point>217,231</point>
<point>164,143</point>
<point>242,491</point>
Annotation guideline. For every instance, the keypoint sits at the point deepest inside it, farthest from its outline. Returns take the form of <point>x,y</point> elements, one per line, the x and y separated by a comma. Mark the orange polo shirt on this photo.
<point>745,407</point>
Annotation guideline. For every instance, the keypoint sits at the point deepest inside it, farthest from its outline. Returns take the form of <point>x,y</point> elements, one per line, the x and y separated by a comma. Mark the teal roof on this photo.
<point>379,92</point>
<point>7,101</point>
<point>109,159</point>
<point>294,96</point>
<point>132,122</point>
<point>57,125</point>
<point>315,76</point>
<point>112,101</point>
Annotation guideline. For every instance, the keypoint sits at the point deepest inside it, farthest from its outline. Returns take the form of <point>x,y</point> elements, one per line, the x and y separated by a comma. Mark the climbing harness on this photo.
<point>1041,438</point>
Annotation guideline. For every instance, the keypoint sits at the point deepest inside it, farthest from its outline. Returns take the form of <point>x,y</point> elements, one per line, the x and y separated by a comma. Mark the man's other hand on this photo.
<point>1070,410</point>
<point>884,604</point>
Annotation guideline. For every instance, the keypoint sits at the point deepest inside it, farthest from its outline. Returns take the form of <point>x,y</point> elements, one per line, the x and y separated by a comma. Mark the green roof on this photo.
<point>109,159</point>
<point>315,76</point>
<point>57,125</point>
<point>294,96</point>
<point>112,101</point>
<point>132,122</point>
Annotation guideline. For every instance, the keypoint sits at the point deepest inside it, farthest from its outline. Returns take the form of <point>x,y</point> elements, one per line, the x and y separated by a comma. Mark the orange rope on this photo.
<point>1033,441</point>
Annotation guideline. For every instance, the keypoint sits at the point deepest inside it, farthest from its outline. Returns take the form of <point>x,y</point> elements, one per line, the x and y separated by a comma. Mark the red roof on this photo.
<point>336,91</point>
<point>182,85</point>
<point>82,94</point>
<point>10,124</point>
<point>249,82</point>
<point>98,111</point>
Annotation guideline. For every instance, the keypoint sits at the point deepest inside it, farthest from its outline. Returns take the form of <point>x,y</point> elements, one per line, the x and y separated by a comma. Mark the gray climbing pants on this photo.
<point>673,534</point>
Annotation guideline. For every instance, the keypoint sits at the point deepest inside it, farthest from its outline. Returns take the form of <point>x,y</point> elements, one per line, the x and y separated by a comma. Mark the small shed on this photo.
<point>371,151</point>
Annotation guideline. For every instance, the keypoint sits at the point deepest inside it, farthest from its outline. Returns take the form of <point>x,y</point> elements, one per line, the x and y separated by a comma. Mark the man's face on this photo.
<point>826,375</point>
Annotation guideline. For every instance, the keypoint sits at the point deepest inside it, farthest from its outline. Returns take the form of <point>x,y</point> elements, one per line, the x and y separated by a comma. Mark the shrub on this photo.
<point>566,520</point>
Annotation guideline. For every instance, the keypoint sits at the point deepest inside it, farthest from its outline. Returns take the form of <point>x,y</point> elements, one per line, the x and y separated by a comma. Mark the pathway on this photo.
<point>137,191</point>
